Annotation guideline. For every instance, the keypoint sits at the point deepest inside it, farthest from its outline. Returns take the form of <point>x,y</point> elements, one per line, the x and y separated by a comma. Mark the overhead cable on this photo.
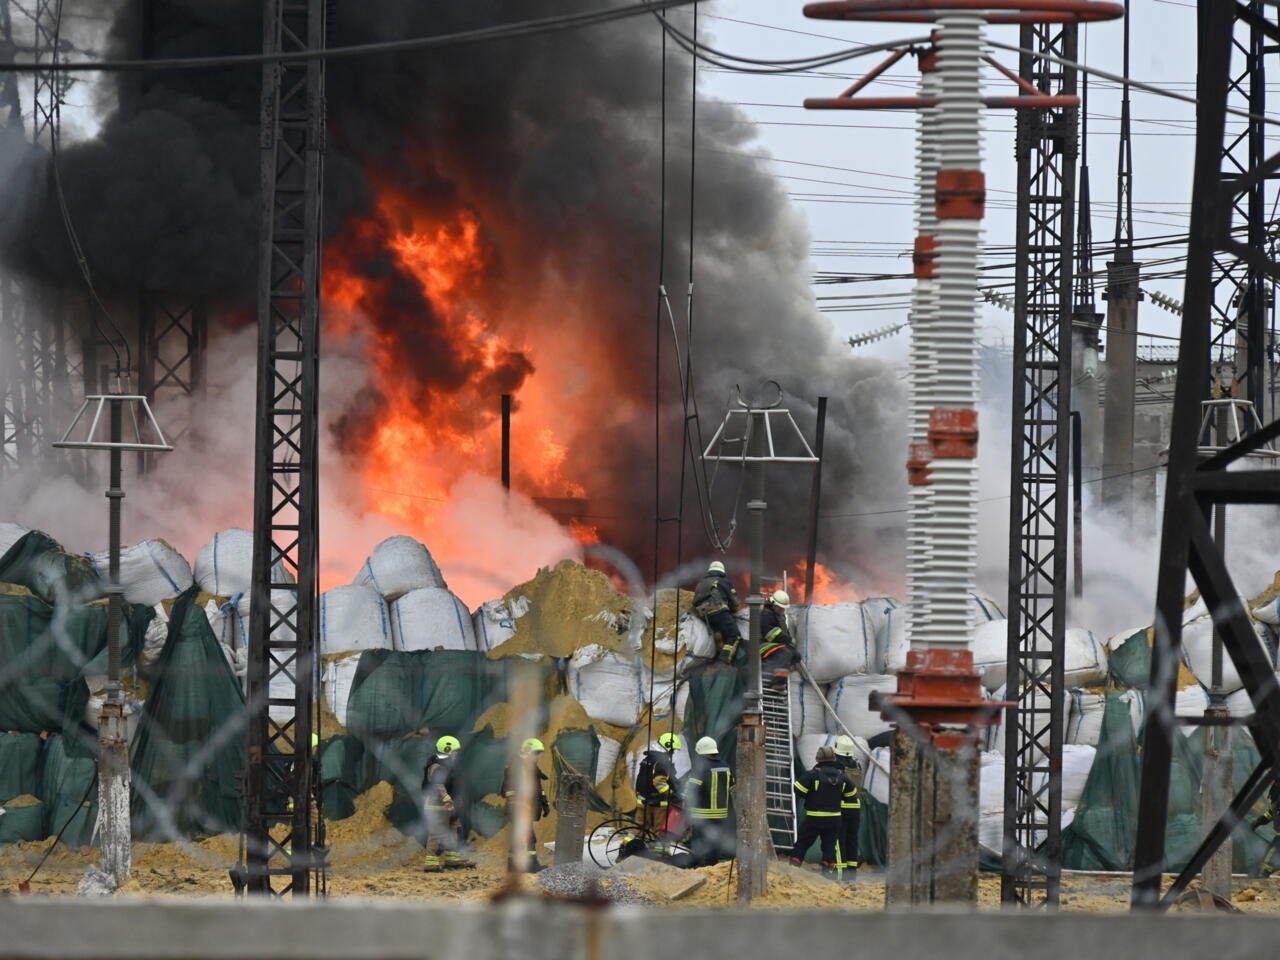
<point>508,31</point>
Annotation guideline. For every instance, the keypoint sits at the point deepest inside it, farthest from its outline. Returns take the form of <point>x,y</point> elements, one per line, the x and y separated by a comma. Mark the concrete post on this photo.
<point>1084,391</point>
<point>749,797</point>
<point>571,813</point>
<point>113,761</point>
<point>1121,365</point>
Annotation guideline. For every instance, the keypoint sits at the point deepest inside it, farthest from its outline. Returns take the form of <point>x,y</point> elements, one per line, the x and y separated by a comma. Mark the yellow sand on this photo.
<point>570,607</point>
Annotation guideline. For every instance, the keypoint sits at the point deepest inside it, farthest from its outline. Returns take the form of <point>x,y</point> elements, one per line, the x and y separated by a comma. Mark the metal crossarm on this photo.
<point>283,833</point>
<point>779,763</point>
<point>1038,560</point>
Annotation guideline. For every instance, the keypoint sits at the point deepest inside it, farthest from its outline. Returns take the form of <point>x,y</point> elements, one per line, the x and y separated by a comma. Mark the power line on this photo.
<point>510,31</point>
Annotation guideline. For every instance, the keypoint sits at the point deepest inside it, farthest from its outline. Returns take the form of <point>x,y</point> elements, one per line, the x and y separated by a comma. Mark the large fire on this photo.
<point>828,586</point>
<point>416,287</point>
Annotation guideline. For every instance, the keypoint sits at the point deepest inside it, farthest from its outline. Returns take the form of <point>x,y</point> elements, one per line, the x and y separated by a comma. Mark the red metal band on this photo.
<point>924,258</point>
<point>996,11</point>
<point>953,433</point>
<point>918,465</point>
<point>961,194</point>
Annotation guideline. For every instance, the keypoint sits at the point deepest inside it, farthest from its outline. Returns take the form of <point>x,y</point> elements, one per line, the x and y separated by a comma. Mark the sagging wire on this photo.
<point>77,251</point>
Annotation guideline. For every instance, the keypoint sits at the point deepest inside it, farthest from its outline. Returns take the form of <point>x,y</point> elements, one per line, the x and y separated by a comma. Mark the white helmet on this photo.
<point>844,746</point>
<point>716,567</point>
<point>706,747</point>
<point>780,599</point>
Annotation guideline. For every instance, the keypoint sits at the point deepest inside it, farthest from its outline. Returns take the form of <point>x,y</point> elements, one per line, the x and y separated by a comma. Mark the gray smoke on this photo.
<point>556,140</point>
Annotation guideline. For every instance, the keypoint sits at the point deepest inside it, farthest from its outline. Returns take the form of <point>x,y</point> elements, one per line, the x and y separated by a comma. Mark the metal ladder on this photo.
<point>779,763</point>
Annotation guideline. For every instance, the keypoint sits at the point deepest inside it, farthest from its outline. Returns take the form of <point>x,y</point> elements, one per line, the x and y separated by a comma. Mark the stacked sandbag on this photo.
<point>808,715</point>
<point>150,571</point>
<point>10,533</point>
<point>1084,658</point>
<point>695,641</point>
<point>606,759</point>
<point>431,618</point>
<point>876,611</point>
<point>991,800</point>
<point>352,619</point>
<point>1197,648</point>
<point>1084,723</point>
<point>893,643</point>
<point>991,652</point>
<point>400,564</point>
<point>835,640</point>
<point>224,568</point>
<point>336,681</point>
<point>995,734</point>
<point>494,623</point>
<point>607,684</point>
<point>875,778</point>
<point>807,746</point>
<point>850,698</point>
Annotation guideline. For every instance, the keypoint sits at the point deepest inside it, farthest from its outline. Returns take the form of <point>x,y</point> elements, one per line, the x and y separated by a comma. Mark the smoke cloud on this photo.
<point>552,146</point>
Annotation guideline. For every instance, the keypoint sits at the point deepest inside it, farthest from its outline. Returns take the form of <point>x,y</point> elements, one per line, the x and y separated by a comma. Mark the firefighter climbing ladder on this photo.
<point>779,770</point>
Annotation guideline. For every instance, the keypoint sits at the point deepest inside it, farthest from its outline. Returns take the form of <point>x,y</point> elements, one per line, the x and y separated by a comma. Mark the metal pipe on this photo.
<point>815,494</point>
<point>1077,501</point>
<point>115,600</point>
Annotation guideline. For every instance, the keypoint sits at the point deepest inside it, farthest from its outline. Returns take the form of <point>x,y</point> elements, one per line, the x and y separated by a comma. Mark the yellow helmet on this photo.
<point>532,745</point>
<point>447,745</point>
<point>670,741</point>
<point>781,599</point>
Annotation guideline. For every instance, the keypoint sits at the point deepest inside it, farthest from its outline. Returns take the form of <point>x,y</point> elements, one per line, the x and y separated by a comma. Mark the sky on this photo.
<point>850,172</point>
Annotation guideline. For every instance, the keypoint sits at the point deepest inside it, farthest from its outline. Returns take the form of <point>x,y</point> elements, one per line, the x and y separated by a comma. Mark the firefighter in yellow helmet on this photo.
<point>777,646</point>
<point>657,787</point>
<point>850,811</point>
<point>444,831</point>
<point>523,781</point>
<point>706,790</point>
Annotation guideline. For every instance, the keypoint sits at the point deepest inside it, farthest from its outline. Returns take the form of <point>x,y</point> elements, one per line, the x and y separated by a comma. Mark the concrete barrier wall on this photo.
<point>537,930</point>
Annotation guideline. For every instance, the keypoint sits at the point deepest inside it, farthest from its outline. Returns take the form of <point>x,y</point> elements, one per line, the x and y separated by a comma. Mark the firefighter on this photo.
<point>824,791</point>
<point>439,786</point>
<point>850,809</point>
<point>707,805</point>
<point>716,602</point>
<point>656,784</point>
<point>777,646</point>
<point>1271,815</point>
<point>526,766</point>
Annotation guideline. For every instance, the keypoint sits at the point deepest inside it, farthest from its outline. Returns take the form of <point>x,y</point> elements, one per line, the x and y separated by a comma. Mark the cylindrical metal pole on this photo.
<point>1077,500</point>
<point>506,441</point>
<point>749,796</point>
<point>1217,785</point>
<point>113,761</point>
<point>815,494</point>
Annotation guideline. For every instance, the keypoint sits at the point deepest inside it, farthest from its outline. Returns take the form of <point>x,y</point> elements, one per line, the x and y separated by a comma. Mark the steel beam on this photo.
<point>283,830</point>
<point>1194,487</point>
<point>1039,565</point>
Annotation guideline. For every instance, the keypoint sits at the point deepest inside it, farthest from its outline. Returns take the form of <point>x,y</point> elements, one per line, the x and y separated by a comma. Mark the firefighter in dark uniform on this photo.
<point>777,646</point>
<point>657,786</point>
<point>439,787</point>
<point>716,602</point>
<point>1266,865</point>
<point>824,790</point>
<point>850,810</point>
<point>706,793</point>
<point>526,766</point>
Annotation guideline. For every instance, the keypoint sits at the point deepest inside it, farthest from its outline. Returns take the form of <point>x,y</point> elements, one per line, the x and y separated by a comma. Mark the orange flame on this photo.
<point>828,586</point>
<point>439,366</point>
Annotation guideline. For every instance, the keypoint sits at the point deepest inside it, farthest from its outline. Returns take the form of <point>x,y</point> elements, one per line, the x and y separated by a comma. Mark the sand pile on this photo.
<point>22,802</point>
<point>569,607</point>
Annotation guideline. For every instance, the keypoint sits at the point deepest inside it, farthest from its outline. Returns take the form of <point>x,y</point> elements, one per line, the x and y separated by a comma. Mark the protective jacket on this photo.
<point>527,767</point>
<point>825,789</point>
<point>706,788</point>
<point>438,782</point>
<point>774,633</point>
<point>656,783</point>
<point>714,594</point>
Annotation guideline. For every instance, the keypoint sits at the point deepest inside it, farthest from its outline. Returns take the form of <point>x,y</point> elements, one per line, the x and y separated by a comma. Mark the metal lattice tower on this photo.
<point>1038,560</point>
<point>283,832</point>
<point>1197,486</point>
<point>173,334</point>
<point>1240,292</point>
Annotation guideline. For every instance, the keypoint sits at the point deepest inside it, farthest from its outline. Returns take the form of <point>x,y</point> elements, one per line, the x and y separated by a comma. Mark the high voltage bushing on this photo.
<point>939,701</point>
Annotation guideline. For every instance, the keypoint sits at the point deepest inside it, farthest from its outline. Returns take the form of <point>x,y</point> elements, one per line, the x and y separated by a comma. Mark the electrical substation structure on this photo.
<point>1045,147</point>
<point>1223,188</point>
<point>283,832</point>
